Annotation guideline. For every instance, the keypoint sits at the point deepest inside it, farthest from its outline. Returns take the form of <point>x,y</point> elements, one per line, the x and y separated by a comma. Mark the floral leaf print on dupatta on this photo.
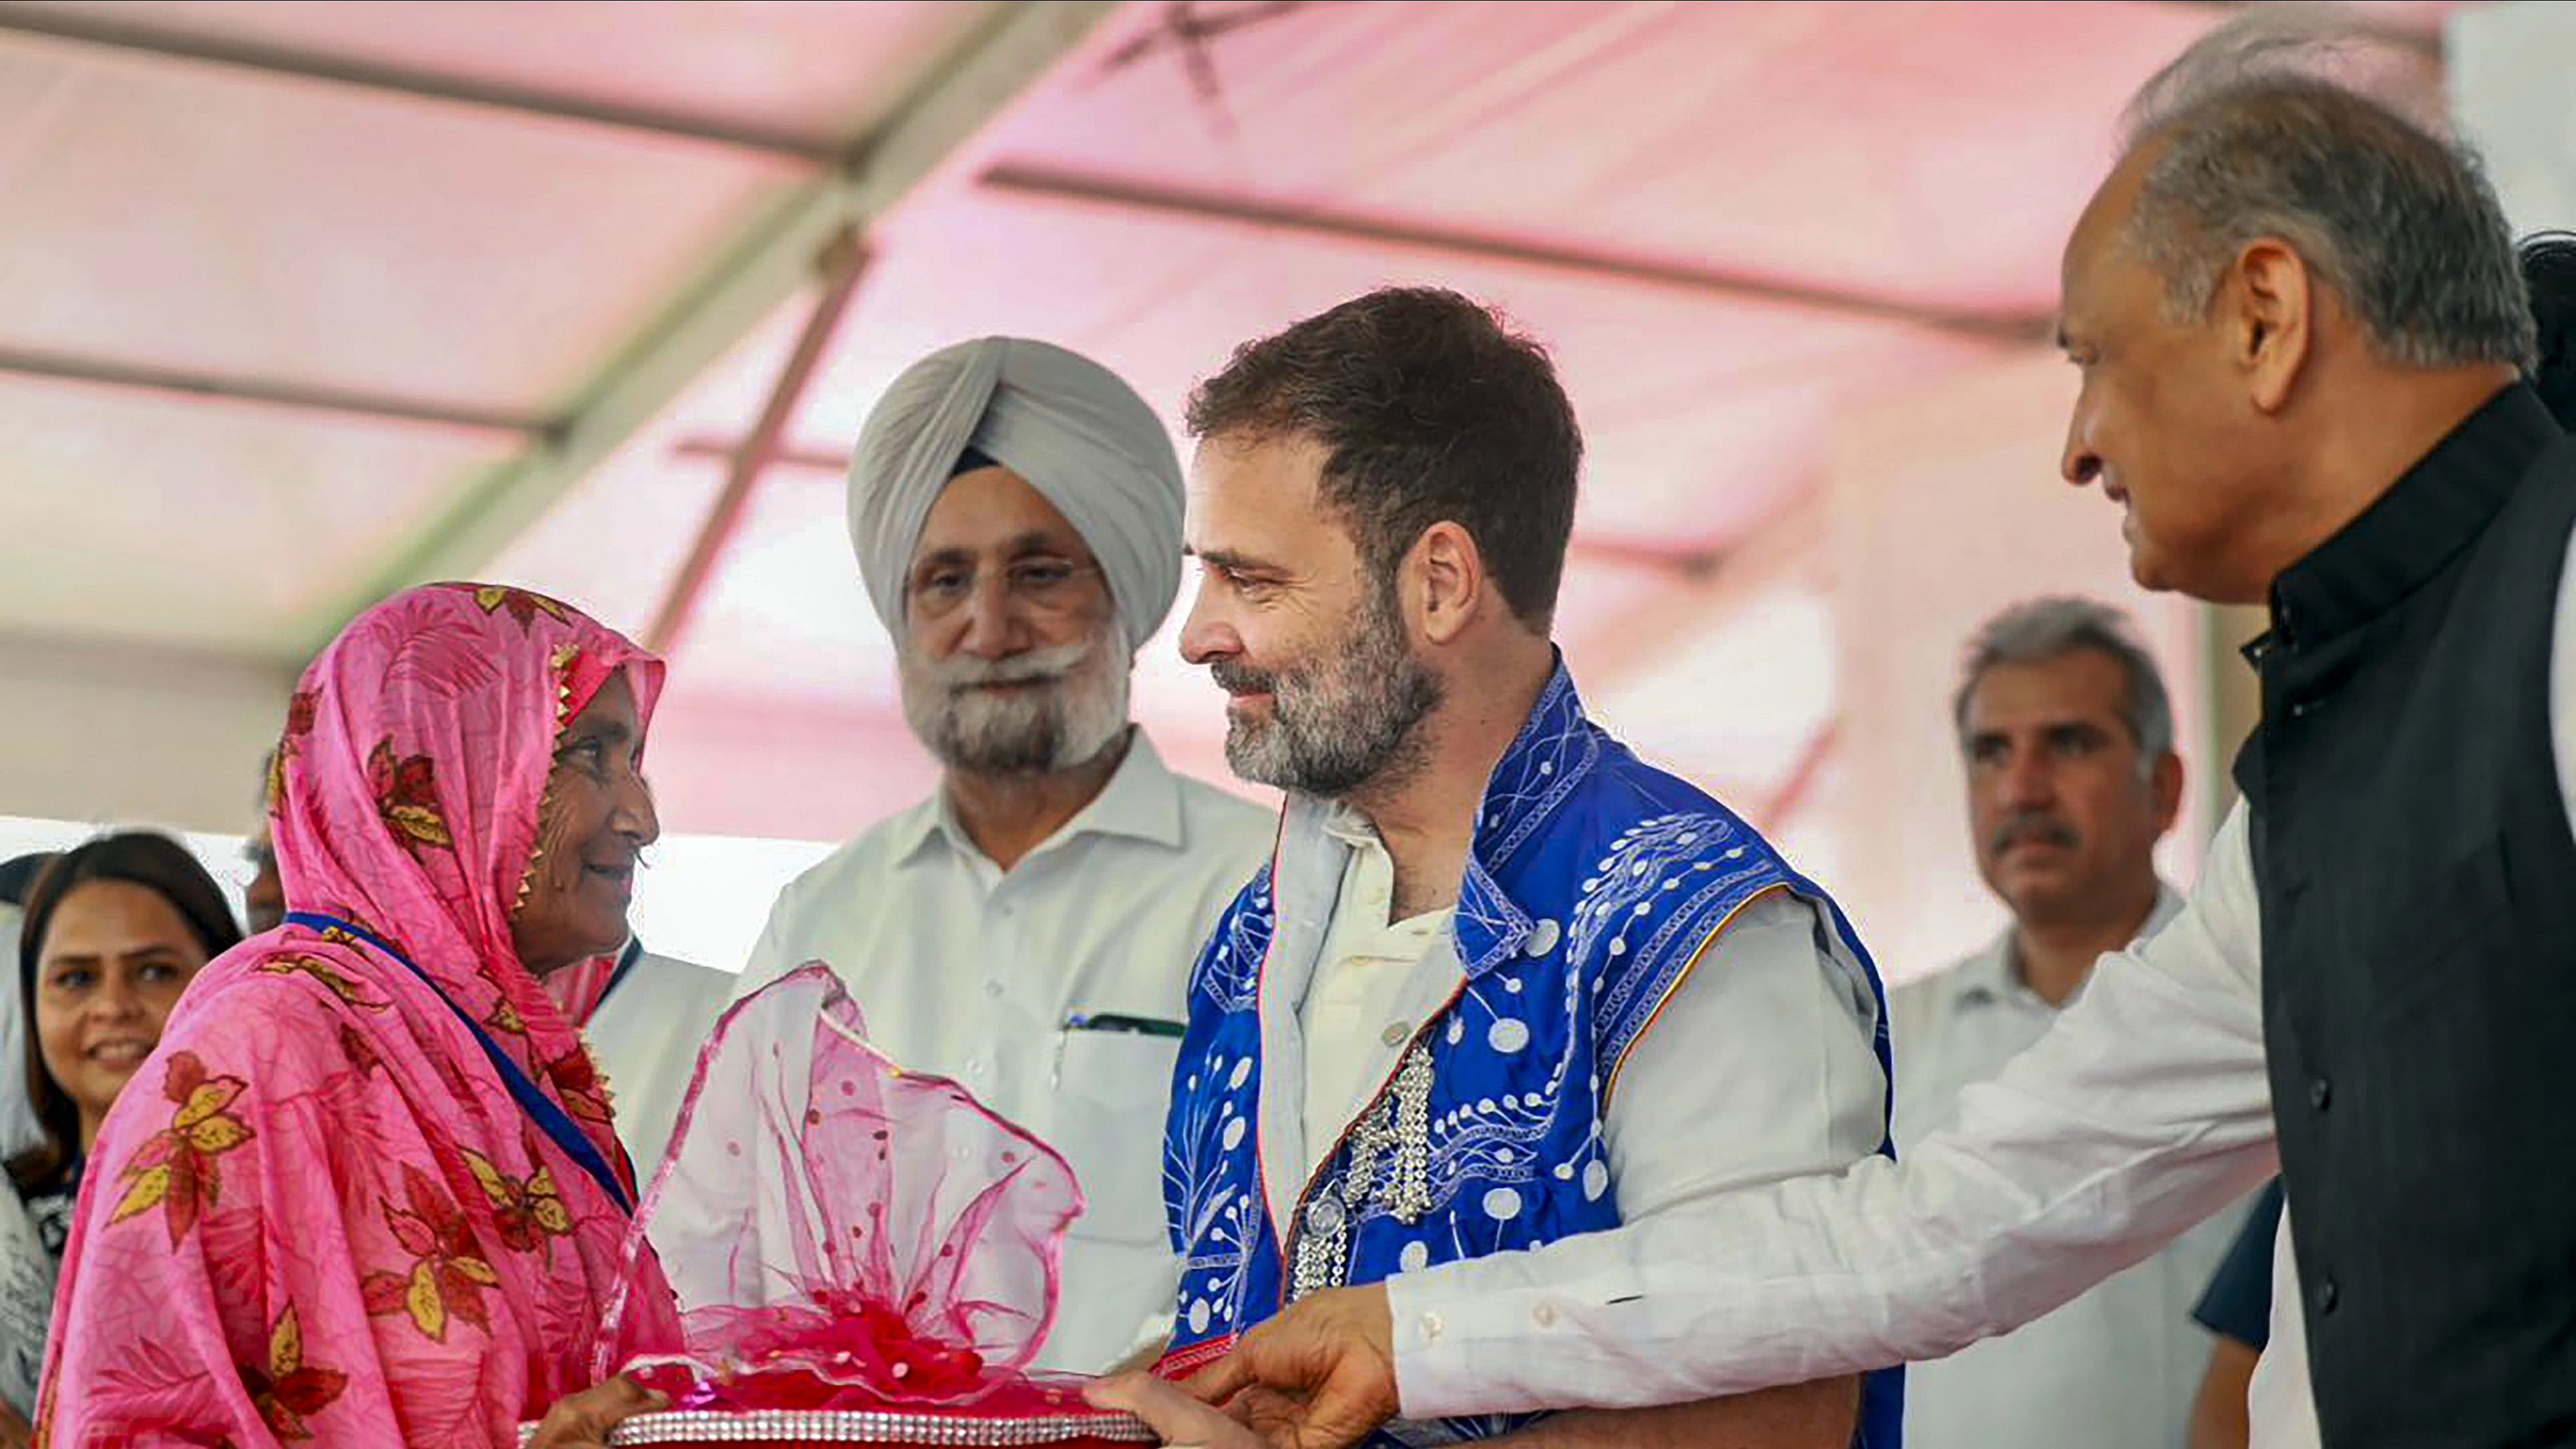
<point>330,977</point>
<point>407,797</point>
<point>443,658</point>
<point>522,605</point>
<point>287,1390</point>
<point>578,1083</point>
<point>301,709</point>
<point>152,1379</point>
<point>528,1210</point>
<point>176,1169</point>
<point>448,1272</point>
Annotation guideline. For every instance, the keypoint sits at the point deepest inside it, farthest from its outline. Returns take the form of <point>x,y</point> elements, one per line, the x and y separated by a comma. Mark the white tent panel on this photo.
<point>220,221</point>
<point>793,67</point>
<point>1702,409</point>
<point>1857,145</point>
<point>139,517</point>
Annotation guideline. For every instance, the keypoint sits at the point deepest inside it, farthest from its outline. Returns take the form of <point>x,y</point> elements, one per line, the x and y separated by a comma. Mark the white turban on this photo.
<point>1080,436</point>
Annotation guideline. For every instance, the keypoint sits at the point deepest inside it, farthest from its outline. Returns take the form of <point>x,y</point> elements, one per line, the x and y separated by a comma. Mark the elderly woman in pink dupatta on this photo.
<point>366,1190</point>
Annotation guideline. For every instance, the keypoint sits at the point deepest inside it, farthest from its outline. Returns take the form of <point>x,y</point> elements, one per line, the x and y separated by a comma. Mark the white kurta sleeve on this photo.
<point>1759,1067</point>
<point>2144,1110</point>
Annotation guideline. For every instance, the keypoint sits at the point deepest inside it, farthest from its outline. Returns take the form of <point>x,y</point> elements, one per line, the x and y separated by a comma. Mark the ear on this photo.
<point>2164,783</point>
<point>1448,578</point>
<point>2274,297</point>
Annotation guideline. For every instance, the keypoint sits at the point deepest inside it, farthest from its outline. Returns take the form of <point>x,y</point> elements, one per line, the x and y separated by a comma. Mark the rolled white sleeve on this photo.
<point>2143,1111</point>
<point>1759,1067</point>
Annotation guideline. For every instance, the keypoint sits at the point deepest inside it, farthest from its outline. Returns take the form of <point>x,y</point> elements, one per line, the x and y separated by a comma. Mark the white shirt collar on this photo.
<point>1988,976</point>
<point>1142,801</point>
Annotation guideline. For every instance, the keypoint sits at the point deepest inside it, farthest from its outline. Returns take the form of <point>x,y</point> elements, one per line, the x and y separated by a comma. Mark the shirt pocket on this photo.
<point>1116,1089</point>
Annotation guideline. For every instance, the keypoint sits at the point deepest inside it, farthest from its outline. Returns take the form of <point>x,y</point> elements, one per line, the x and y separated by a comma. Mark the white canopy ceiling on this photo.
<point>307,301</point>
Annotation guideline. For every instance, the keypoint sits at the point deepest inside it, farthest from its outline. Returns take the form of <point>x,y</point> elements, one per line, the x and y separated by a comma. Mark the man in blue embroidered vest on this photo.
<point>1503,983</point>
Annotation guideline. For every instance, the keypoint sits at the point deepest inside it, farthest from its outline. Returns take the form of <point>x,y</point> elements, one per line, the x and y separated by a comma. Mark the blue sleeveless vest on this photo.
<point>1593,883</point>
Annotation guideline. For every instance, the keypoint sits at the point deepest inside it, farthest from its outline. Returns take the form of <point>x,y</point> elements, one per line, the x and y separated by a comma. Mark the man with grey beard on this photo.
<point>1029,929</point>
<point>1504,983</point>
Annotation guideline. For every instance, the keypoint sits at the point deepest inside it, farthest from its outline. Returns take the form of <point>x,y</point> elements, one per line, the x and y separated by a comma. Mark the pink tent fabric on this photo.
<point>319,1213</point>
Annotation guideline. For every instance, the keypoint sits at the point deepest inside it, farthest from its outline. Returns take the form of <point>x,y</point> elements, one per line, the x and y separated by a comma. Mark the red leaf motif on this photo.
<point>300,712</point>
<point>431,1202</point>
<point>185,1075</point>
<point>188,1192</point>
<point>464,1298</point>
<point>384,1293</point>
<point>412,782</point>
<point>415,1235</point>
<point>309,1390</point>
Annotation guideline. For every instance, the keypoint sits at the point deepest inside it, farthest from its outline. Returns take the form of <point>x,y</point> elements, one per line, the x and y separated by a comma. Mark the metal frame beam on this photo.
<point>1691,564</point>
<point>101,28</point>
<point>920,144</point>
<point>1046,184</point>
<point>255,392</point>
<point>844,262</point>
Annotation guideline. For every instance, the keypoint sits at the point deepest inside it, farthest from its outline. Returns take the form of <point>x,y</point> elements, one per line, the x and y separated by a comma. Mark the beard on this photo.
<point>1071,706</point>
<point>1348,720</point>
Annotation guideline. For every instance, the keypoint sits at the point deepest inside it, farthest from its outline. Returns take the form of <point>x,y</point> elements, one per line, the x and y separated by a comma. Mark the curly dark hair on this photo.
<point>1432,408</point>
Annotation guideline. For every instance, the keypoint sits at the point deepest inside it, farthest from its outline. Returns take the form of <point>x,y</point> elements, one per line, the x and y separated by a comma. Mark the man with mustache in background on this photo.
<point>1029,929</point>
<point>2066,737</point>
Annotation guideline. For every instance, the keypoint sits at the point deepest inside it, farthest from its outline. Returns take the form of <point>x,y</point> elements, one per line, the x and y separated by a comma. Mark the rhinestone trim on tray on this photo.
<point>865,1426</point>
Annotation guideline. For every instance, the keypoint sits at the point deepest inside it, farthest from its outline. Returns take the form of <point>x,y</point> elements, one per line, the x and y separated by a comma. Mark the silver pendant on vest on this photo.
<point>1393,1133</point>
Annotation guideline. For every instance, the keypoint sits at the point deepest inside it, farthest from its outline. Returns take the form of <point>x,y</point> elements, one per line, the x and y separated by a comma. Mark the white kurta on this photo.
<point>646,1033</point>
<point>2118,1367</point>
<point>987,977</point>
<point>2146,1109</point>
<point>1759,1067</point>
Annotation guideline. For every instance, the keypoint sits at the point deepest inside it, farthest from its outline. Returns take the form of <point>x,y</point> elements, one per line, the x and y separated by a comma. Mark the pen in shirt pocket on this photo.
<point>1111,1022</point>
<point>1133,1025</point>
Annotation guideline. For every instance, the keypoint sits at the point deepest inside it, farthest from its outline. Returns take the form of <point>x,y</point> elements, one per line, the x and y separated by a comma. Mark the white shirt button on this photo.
<point>1395,1034</point>
<point>1544,1315</point>
<point>992,988</point>
<point>1432,1327</point>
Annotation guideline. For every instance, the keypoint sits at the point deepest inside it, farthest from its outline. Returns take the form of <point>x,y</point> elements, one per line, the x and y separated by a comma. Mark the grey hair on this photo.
<point>2256,138</point>
<point>2036,631</point>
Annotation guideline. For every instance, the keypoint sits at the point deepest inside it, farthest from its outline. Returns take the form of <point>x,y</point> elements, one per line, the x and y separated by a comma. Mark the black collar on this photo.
<point>2412,530</point>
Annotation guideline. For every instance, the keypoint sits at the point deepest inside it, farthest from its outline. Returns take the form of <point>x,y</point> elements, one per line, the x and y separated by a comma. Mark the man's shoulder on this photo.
<point>1916,1005</point>
<point>672,974</point>
<point>870,852</point>
<point>1944,980</point>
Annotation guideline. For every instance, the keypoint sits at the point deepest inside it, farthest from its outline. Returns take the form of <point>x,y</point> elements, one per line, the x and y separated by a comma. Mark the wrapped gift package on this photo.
<point>840,1251</point>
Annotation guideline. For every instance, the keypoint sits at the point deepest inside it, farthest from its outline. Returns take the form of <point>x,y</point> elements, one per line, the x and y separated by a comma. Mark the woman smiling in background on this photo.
<point>114,931</point>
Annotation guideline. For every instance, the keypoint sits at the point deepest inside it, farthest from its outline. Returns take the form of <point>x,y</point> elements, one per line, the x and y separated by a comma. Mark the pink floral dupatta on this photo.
<point>318,1214</point>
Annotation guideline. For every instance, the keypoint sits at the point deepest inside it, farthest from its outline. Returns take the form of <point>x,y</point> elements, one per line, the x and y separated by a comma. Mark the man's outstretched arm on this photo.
<point>2145,1109</point>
